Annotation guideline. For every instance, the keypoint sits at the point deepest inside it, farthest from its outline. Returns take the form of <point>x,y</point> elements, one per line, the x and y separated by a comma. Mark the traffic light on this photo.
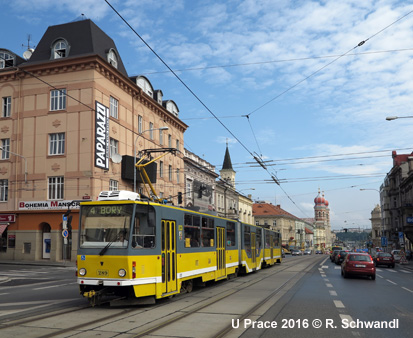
<point>179,198</point>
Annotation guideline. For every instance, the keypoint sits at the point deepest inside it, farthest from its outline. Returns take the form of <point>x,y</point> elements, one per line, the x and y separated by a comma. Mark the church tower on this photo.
<point>227,172</point>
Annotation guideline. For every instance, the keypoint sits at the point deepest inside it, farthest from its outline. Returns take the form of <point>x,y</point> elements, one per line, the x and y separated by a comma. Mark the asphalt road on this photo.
<point>26,289</point>
<point>337,306</point>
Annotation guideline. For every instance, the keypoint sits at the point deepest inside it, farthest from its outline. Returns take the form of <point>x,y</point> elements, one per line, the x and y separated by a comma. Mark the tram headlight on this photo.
<point>82,272</point>
<point>122,273</point>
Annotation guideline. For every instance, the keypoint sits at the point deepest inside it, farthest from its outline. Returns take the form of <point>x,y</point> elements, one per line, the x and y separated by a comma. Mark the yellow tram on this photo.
<point>140,251</point>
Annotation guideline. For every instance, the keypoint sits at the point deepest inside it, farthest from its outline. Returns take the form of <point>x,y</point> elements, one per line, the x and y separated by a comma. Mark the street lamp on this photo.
<point>25,162</point>
<point>134,152</point>
<point>391,118</point>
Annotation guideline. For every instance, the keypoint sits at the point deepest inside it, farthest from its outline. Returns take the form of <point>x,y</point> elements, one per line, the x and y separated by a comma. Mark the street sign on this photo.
<point>409,219</point>
<point>65,233</point>
<point>384,241</point>
<point>8,218</point>
<point>401,238</point>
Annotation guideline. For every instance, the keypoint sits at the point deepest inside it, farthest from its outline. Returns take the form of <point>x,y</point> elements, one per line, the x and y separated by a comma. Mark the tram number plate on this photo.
<point>103,273</point>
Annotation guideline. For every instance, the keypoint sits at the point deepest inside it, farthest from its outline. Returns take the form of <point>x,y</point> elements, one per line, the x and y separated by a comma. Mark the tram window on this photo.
<point>247,240</point>
<point>230,234</point>
<point>207,232</point>
<point>192,230</point>
<point>267,239</point>
<point>258,239</point>
<point>103,224</point>
<point>143,234</point>
<point>276,239</point>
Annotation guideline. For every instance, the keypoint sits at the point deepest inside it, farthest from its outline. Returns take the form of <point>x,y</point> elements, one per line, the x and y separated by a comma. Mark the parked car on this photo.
<point>340,256</point>
<point>358,264</point>
<point>333,255</point>
<point>396,255</point>
<point>295,252</point>
<point>384,258</point>
<point>308,252</point>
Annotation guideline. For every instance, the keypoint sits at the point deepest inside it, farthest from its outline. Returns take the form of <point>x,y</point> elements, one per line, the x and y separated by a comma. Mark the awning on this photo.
<point>3,227</point>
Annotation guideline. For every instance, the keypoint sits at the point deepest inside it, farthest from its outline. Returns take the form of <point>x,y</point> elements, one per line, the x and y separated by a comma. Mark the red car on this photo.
<point>384,258</point>
<point>358,264</point>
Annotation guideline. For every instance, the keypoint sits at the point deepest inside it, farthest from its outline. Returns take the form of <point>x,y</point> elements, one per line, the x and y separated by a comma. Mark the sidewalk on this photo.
<point>44,262</point>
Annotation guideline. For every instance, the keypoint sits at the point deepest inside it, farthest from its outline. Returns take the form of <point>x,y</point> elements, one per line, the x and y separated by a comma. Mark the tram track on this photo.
<point>194,302</point>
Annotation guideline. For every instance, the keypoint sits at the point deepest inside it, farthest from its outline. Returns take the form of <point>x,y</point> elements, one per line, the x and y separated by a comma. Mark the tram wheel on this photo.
<point>188,286</point>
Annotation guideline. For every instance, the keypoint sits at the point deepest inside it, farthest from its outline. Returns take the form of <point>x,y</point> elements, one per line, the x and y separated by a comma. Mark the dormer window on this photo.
<point>6,60</point>
<point>112,58</point>
<point>60,49</point>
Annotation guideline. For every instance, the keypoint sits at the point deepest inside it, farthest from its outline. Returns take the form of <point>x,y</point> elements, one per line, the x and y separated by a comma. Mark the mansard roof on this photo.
<point>84,38</point>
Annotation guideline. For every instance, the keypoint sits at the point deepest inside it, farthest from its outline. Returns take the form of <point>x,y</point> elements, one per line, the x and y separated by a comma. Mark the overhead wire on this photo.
<point>257,158</point>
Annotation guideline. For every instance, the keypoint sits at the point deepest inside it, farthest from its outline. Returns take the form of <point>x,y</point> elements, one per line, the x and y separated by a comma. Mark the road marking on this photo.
<point>392,271</point>
<point>332,293</point>
<point>379,270</point>
<point>324,267</point>
<point>349,319</point>
<point>379,276</point>
<point>391,281</point>
<point>2,294</point>
<point>326,279</point>
<point>329,285</point>
<point>407,289</point>
<point>405,271</point>
<point>337,268</point>
<point>53,286</point>
<point>339,304</point>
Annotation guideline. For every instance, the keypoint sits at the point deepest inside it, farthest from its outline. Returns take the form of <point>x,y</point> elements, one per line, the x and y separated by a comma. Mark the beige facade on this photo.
<point>38,124</point>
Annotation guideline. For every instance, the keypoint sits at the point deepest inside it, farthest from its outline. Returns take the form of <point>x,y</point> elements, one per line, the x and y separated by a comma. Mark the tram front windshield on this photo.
<point>103,224</point>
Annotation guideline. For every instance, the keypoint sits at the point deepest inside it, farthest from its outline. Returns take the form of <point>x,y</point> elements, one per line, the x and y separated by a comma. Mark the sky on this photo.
<point>299,90</point>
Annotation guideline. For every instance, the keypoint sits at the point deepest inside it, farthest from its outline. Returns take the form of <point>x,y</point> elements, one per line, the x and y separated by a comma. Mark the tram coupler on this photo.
<point>94,296</point>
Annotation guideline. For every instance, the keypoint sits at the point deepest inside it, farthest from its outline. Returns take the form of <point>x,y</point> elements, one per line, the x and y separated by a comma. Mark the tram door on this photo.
<point>272,248</point>
<point>221,265</point>
<point>169,283</point>
<point>253,251</point>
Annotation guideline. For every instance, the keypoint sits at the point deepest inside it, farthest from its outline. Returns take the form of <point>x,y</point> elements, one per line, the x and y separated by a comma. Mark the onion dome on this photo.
<point>320,200</point>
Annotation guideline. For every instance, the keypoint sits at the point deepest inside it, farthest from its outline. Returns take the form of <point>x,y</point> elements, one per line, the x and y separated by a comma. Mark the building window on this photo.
<point>5,149</point>
<point>56,188</point>
<point>6,110</point>
<point>4,190</point>
<point>58,99</point>
<point>114,147</point>
<point>60,49</point>
<point>113,185</point>
<point>6,60</point>
<point>140,124</point>
<point>112,58</point>
<point>160,168</point>
<point>177,175</point>
<point>160,137</point>
<point>170,141</point>
<point>188,189</point>
<point>113,108</point>
<point>170,172</point>
<point>57,144</point>
<point>177,144</point>
<point>151,130</point>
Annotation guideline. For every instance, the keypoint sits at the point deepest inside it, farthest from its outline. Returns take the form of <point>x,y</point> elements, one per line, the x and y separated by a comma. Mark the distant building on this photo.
<point>322,230</point>
<point>200,179</point>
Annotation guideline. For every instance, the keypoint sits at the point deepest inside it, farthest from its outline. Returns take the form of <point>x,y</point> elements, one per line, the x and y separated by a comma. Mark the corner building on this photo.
<point>70,113</point>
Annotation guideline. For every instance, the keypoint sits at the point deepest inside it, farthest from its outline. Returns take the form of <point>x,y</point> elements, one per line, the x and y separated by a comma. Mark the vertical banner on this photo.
<point>102,136</point>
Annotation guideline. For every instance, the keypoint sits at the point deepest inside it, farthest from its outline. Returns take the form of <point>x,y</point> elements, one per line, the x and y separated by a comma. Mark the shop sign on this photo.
<point>102,136</point>
<point>8,218</point>
<point>48,205</point>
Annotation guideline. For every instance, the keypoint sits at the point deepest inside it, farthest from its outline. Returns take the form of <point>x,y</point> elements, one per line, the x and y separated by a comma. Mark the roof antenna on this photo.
<point>28,53</point>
